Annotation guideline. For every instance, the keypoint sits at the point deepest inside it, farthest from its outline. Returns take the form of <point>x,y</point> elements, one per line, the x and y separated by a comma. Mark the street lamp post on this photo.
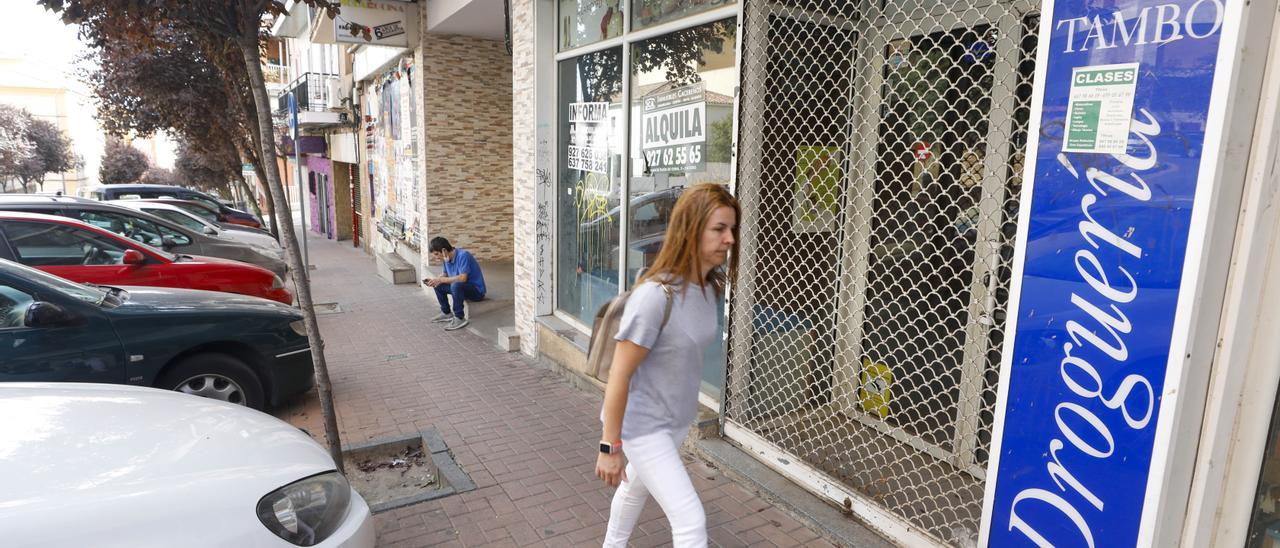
<point>297,160</point>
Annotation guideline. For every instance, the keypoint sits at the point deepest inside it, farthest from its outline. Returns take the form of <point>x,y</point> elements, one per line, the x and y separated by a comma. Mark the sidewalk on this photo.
<point>523,433</point>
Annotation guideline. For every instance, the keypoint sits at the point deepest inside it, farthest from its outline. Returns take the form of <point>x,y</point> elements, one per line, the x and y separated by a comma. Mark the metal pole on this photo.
<point>302,200</point>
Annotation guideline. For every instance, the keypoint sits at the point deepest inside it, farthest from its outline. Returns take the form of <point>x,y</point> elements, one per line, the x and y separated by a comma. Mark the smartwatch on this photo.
<point>610,448</point>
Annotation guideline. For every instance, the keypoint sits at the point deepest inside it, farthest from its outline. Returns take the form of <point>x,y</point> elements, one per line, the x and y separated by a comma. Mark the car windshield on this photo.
<point>89,294</point>
<point>206,201</point>
<point>183,219</point>
<point>199,210</point>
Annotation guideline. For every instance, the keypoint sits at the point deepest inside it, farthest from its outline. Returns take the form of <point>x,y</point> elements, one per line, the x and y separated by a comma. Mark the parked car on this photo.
<point>98,465</point>
<point>235,348</point>
<point>121,192</point>
<point>646,231</point>
<point>143,227</point>
<point>84,253</point>
<point>206,212</point>
<point>192,222</point>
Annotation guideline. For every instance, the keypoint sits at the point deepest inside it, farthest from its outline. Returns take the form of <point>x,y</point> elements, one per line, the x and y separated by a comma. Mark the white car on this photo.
<point>260,240</point>
<point>106,465</point>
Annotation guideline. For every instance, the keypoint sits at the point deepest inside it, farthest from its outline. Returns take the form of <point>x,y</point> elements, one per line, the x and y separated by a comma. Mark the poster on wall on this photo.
<point>817,189</point>
<point>674,130</point>
<point>1116,191</point>
<point>589,137</point>
<point>1099,106</point>
<point>394,185</point>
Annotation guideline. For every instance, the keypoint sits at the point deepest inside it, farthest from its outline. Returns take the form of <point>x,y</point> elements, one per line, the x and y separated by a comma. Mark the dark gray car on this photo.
<point>143,227</point>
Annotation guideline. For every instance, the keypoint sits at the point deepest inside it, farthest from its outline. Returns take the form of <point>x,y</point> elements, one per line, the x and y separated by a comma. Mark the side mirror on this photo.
<point>167,242</point>
<point>48,315</point>
<point>210,231</point>
<point>134,257</point>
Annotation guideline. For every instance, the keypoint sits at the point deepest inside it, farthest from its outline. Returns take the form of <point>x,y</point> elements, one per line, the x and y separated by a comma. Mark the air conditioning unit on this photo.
<point>339,92</point>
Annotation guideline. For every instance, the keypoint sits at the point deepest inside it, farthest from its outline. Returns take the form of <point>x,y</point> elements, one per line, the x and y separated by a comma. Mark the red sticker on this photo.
<point>920,151</point>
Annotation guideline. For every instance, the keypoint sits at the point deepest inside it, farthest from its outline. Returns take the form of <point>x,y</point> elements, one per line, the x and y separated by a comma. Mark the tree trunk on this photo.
<point>255,158</point>
<point>271,201</point>
<point>253,200</point>
<point>248,42</point>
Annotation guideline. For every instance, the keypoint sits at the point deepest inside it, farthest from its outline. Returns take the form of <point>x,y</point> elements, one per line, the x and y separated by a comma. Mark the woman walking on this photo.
<point>652,394</point>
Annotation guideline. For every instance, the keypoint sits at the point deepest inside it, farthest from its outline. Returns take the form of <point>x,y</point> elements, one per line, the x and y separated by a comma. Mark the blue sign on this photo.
<point>1104,257</point>
<point>293,116</point>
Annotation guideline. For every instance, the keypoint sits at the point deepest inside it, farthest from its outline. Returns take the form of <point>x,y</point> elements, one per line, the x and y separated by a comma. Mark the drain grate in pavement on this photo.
<point>327,308</point>
<point>449,479</point>
<point>394,357</point>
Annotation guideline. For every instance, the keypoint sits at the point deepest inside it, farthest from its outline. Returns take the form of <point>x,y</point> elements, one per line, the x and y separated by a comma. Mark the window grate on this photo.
<point>879,172</point>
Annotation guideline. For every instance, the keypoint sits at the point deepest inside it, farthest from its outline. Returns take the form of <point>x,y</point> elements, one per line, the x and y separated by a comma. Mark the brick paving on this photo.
<point>523,433</point>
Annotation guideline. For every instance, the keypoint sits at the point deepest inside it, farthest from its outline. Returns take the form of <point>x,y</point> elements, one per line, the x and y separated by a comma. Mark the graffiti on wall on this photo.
<point>542,232</point>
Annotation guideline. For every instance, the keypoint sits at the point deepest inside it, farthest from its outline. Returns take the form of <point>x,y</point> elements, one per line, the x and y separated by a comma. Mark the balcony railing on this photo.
<point>275,74</point>
<point>312,91</point>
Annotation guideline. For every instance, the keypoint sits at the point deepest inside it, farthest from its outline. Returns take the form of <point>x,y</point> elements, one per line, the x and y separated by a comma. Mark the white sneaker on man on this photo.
<point>442,317</point>
<point>457,323</point>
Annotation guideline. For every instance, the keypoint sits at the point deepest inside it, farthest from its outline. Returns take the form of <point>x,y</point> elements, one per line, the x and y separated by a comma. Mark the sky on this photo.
<point>43,41</point>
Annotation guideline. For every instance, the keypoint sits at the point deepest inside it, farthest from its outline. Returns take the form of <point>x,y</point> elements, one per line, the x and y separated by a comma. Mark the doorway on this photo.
<point>879,174</point>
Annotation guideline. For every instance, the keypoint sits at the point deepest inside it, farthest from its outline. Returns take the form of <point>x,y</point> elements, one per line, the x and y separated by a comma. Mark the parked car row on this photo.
<point>148,294</point>
<point>147,229</point>
<point>191,321</point>
<point>225,213</point>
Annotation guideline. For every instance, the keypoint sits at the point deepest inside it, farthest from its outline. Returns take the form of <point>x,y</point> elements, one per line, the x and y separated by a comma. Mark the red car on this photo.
<point>84,253</point>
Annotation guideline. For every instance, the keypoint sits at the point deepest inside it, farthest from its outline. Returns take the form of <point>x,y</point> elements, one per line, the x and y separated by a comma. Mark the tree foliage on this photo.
<point>31,147</point>
<point>54,152</point>
<point>122,163</point>
<point>15,149</point>
<point>189,81</point>
<point>206,170</point>
<point>156,175</point>
<point>678,54</point>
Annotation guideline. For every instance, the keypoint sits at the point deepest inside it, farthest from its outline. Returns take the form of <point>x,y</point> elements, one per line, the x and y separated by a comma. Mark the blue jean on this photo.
<point>461,292</point>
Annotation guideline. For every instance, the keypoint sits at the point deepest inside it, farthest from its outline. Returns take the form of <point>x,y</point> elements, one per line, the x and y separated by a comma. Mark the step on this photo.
<point>508,338</point>
<point>394,269</point>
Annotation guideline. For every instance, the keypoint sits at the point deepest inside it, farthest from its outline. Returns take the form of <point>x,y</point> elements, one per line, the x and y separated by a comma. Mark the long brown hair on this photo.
<point>682,246</point>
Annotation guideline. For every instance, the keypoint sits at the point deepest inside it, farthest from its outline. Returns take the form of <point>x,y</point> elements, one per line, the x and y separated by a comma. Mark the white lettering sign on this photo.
<point>1152,25</point>
<point>1080,429</point>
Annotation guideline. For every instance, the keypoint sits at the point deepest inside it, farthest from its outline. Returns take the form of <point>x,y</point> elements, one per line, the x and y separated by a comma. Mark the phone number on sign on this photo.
<point>673,156</point>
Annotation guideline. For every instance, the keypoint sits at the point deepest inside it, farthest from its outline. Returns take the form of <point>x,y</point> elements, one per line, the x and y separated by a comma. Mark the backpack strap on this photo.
<point>666,313</point>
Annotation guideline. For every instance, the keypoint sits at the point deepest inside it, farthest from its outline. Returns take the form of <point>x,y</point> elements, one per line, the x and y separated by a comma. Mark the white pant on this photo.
<point>654,468</point>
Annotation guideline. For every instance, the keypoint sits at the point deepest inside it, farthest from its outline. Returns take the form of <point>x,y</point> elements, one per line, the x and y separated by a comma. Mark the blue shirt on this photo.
<point>464,263</point>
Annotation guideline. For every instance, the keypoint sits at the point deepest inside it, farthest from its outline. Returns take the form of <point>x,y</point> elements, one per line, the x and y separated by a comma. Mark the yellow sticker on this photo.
<point>876,387</point>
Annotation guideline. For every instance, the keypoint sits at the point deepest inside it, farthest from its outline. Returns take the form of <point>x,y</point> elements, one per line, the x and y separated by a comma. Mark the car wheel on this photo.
<point>216,376</point>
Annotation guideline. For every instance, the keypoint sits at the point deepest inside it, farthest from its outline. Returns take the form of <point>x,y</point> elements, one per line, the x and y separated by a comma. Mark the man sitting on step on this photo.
<point>462,279</point>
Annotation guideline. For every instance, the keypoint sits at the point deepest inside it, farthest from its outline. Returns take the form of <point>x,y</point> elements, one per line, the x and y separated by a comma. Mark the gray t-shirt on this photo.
<point>663,393</point>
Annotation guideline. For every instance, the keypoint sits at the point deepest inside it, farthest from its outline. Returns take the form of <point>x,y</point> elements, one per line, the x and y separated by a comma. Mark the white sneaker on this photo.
<point>457,323</point>
<point>442,317</point>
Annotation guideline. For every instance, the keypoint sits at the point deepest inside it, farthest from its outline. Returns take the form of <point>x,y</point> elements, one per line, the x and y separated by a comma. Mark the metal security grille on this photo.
<point>879,165</point>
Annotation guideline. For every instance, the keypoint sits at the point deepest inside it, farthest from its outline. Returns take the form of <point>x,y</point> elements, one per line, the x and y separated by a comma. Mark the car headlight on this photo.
<point>307,511</point>
<point>276,282</point>
<point>299,327</point>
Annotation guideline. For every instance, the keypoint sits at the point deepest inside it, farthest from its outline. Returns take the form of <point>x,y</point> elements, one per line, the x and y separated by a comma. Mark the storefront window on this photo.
<point>648,13</point>
<point>1264,527</point>
<point>682,87</point>
<point>681,127</point>
<point>585,22</point>
<point>590,182</point>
